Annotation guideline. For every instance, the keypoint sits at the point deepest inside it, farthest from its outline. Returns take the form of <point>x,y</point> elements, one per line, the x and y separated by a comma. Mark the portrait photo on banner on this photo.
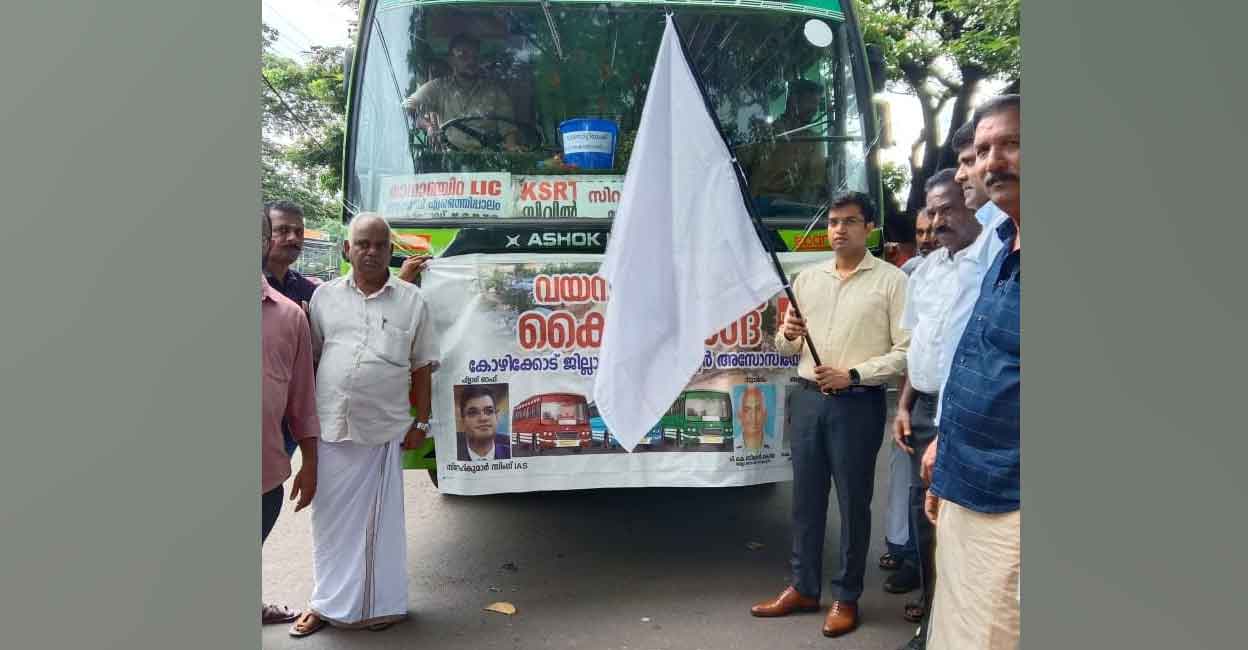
<point>754,417</point>
<point>482,425</point>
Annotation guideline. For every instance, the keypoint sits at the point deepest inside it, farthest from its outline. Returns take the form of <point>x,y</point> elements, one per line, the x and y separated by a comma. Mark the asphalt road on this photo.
<point>640,569</point>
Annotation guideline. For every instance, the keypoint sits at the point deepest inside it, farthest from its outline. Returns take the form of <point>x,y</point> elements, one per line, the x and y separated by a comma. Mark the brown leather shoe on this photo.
<point>786,603</point>
<point>842,618</point>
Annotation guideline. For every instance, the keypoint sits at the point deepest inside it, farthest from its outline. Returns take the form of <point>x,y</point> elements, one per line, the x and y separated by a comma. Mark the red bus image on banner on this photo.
<point>551,421</point>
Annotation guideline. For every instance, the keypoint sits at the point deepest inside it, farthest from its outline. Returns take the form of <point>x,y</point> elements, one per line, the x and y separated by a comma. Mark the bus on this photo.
<point>463,118</point>
<point>699,417</point>
<point>598,431</point>
<point>551,421</point>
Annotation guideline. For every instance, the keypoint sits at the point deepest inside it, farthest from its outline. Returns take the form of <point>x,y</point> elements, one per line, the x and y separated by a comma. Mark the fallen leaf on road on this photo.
<point>501,608</point>
<point>754,546</point>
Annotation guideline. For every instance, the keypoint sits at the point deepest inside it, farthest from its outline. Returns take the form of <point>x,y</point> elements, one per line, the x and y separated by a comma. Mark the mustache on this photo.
<point>993,179</point>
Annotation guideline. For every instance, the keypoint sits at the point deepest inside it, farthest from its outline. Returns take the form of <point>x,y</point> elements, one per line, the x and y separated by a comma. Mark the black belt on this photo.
<point>852,390</point>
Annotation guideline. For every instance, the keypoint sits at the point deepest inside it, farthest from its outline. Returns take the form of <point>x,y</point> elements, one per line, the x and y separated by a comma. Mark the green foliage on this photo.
<point>893,177</point>
<point>990,37</point>
<point>939,51</point>
<point>914,35</point>
<point>303,123</point>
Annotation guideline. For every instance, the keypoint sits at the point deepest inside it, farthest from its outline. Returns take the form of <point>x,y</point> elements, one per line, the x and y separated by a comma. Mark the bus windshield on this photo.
<point>477,111</point>
<point>563,412</point>
<point>706,406</point>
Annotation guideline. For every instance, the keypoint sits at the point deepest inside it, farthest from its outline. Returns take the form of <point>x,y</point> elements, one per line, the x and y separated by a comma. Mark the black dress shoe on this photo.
<point>904,581</point>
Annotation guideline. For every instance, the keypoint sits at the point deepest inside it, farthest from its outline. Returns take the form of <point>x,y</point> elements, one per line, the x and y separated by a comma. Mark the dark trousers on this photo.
<point>270,508</point>
<point>922,432</point>
<point>834,439</point>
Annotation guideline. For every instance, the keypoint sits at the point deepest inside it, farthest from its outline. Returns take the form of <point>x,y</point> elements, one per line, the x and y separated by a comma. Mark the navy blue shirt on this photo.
<point>293,286</point>
<point>299,289</point>
<point>977,460</point>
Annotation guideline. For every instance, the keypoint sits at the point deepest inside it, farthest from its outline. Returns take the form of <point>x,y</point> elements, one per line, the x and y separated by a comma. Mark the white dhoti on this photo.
<point>978,561</point>
<point>358,535</point>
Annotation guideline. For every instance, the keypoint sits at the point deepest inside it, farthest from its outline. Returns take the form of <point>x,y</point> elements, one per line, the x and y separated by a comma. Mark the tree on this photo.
<point>941,51</point>
<point>303,124</point>
<point>893,177</point>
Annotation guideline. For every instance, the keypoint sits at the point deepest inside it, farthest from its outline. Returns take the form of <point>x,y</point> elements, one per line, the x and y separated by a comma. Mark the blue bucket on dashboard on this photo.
<point>589,143</point>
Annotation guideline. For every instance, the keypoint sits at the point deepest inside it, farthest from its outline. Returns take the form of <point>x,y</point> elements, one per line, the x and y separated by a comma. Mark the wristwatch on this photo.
<point>854,378</point>
<point>422,426</point>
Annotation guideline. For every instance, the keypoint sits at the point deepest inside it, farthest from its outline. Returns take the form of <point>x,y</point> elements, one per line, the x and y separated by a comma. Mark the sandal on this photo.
<point>303,628</point>
<point>914,611</point>
<point>890,561</point>
<point>271,614</point>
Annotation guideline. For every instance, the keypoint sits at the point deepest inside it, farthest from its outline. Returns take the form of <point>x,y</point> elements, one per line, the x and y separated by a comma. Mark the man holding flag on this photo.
<point>685,260</point>
<point>853,305</point>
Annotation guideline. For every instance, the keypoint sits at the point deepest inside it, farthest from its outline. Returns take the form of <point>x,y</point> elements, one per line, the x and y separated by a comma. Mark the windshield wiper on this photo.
<point>554,31</point>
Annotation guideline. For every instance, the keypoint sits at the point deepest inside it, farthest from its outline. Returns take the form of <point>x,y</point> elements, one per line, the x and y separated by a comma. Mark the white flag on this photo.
<point>684,260</point>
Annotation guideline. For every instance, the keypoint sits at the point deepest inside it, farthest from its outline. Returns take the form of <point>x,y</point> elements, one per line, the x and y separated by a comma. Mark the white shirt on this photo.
<point>971,270</point>
<point>929,299</point>
<point>367,347</point>
<point>489,455</point>
<point>913,263</point>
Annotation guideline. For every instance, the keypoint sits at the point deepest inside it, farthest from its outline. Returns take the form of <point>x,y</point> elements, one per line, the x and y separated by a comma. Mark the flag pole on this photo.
<point>744,184</point>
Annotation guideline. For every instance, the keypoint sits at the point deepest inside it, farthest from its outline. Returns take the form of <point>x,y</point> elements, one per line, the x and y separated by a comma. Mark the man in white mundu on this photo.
<point>371,333</point>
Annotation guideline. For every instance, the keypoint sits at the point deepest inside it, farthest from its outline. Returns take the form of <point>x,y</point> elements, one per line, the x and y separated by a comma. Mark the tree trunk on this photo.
<point>971,76</point>
<point>931,149</point>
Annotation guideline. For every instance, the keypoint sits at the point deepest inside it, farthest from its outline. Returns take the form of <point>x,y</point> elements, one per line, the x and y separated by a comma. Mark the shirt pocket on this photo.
<point>1003,329</point>
<point>394,345</point>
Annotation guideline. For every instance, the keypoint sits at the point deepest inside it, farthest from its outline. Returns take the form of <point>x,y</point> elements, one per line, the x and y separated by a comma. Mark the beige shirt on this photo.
<point>854,323</point>
<point>456,97</point>
<point>367,348</point>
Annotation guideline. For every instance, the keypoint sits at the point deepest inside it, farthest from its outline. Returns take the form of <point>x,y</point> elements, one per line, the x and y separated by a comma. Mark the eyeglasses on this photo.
<point>474,412</point>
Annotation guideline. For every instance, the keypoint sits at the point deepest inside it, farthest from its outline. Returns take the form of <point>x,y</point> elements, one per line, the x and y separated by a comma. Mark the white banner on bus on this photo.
<point>519,337</point>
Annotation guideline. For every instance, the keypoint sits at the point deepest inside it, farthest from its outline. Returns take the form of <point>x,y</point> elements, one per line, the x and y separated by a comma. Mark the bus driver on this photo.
<point>464,93</point>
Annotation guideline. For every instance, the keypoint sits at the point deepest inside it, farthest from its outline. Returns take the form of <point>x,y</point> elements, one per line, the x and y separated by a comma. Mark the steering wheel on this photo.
<point>485,131</point>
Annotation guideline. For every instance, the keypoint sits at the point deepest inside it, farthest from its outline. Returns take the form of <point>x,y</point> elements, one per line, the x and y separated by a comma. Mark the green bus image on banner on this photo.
<point>699,417</point>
